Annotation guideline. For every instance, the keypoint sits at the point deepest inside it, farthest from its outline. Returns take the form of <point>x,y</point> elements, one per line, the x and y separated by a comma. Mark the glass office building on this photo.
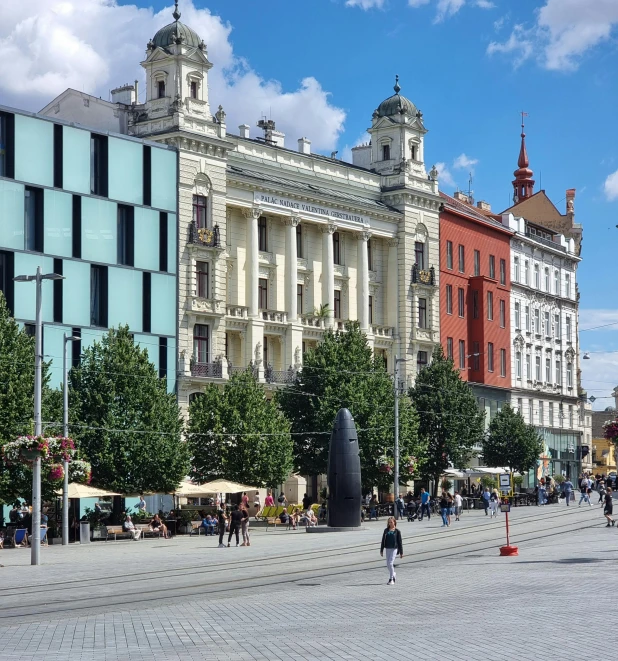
<point>99,209</point>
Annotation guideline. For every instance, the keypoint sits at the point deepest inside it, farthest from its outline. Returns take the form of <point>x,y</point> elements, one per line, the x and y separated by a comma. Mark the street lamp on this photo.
<point>65,433</point>
<point>396,452</point>
<point>38,362</point>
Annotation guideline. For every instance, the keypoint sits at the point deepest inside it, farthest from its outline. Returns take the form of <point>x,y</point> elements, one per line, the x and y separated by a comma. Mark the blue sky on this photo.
<point>320,67</point>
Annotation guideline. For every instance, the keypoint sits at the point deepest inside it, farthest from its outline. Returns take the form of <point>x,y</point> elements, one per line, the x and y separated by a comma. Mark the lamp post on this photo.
<point>396,450</point>
<point>38,366</point>
<point>65,432</point>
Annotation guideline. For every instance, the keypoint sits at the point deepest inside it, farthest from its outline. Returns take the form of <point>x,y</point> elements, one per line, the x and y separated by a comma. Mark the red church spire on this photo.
<point>523,185</point>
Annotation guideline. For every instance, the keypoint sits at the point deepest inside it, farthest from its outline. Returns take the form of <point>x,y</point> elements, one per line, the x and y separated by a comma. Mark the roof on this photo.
<point>396,104</point>
<point>313,190</point>
<point>475,213</point>
<point>598,418</point>
<point>537,208</point>
<point>170,34</point>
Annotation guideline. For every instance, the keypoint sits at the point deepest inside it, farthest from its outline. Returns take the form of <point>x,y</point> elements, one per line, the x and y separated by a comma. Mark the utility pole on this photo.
<point>396,449</point>
<point>65,433</point>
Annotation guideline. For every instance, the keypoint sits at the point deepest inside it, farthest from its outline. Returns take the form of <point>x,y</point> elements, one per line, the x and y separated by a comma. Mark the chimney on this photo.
<point>304,146</point>
<point>484,206</point>
<point>462,197</point>
<point>244,130</point>
<point>124,94</point>
<point>136,91</point>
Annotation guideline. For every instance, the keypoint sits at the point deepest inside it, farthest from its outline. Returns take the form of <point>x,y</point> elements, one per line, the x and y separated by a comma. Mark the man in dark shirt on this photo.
<point>221,522</point>
<point>306,502</point>
<point>235,521</point>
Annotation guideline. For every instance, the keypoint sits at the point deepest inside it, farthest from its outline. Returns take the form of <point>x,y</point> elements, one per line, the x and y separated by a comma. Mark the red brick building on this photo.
<point>474,298</point>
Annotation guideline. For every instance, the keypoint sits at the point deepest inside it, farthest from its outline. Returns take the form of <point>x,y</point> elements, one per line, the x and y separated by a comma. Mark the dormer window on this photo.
<point>413,152</point>
<point>194,89</point>
<point>160,89</point>
<point>386,152</point>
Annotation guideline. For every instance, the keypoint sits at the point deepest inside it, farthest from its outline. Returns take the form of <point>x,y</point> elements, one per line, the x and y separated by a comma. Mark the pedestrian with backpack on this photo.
<point>391,542</point>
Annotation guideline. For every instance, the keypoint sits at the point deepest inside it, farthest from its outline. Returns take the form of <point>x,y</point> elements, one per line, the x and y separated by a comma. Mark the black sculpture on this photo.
<point>344,474</point>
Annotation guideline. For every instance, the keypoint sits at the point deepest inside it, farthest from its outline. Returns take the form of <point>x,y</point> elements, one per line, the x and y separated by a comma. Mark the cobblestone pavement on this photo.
<point>299,596</point>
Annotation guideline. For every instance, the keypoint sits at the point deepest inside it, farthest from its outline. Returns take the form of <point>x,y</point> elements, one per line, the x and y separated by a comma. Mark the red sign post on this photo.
<point>508,549</point>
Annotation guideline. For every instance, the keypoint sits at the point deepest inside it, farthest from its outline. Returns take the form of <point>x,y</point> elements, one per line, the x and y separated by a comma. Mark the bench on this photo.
<point>196,528</point>
<point>117,531</point>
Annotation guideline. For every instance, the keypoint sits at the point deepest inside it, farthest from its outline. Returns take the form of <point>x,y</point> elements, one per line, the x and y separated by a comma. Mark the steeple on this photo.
<point>523,185</point>
<point>176,13</point>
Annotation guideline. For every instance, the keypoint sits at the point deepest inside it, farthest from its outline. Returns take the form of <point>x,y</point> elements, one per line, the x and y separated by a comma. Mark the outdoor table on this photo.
<point>172,526</point>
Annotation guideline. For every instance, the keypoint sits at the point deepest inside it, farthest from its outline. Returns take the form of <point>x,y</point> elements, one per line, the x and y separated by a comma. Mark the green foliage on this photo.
<point>237,434</point>
<point>450,421</point>
<point>559,478</point>
<point>116,388</point>
<point>511,443</point>
<point>341,372</point>
<point>489,482</point>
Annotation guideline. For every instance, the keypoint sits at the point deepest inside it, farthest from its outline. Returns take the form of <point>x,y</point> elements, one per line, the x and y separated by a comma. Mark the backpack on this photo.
<point>390,541</point>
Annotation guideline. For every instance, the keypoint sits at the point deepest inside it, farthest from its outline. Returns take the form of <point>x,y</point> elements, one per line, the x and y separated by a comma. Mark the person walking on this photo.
<point>608,510</point>
<point>584,486</point>
<point>235,524</point>
<point>391,541</point>
<point>269,501</point>
<point>494,501</point>
<point>601,490</point>
<point>244,526</point>
<point>244,501</point>
<point>424,505</point>
<point>458,505</point>
<point>221,524</point>
<point>401,506</point>
<point>485,498</point>
<point>567,489</point>
<point>444,505</point>
<point>256,503</point>
<point>373,507</point>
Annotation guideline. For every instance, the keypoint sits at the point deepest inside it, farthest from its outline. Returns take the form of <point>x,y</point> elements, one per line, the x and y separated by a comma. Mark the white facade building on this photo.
<point>278,245</point>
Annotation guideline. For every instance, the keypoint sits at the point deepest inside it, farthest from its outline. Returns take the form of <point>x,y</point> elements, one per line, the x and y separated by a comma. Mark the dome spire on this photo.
<point>524,183</point>
<point>397,87</point>
<point>176,13</point>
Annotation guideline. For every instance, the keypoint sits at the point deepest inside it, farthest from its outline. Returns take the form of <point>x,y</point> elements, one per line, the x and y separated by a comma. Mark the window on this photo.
<point>551,414</point>
<point>462,354</point>
<point>262,235</point>
<point>490,356</point>
<point>162,241</point>
<point>475,304</point>
<point>537,368</point>
<point>528,367</point>
<point>33,219</point>
<point>58,150</point>
<point>537,321</point>
<point>517,315</point>
<point>547,283</point>
<point>76,347</point>
<point>516,269</point>
<point>530,411</point>
<point>126,235</point>
<point>202,288</point>
<point>557,329</point>
<point>7,145</point>
<point>477,262</point>
<point>557,282</point>
<point>449,347</point>
<point>263,294</point>
<point>162,357</point>
<point>147,175</point>
<point>449,254</point>
<point>299,298</point>
<point>492,267</point>
<point>419,254</point>
<point>561,414</point>
<point>567,285</point>
<point>461,302</point>
<point>569,371</point>
<point>462,259</point>
<point>194,89</point>
<point>476,356</point>
<point>502,272</point>
<point>558,373</point>
<point>537,277</point>
<point>146,302</point>
<point>527,272</point>
<point>201,343</point>
<point>421,360</point>
<point>518,364</point>
<point>160,89</point>
<point>7,272</point>
<point>502,314</point>
<point>422,313</point>
<point>527,313</point>
<point>568,328</point>
<point>386,152</point>
<point>449,299</point>
<point>98,296</point>
<point>413,152</point>
<point>570,416</point>
<point>369,255</point>
<point>337,304</point>
<point>76,227</point>
<point>98,164</point>
<point>541,413</point>
<point>502,362</point>
<point>299,242</point>
<point>490,306</point>
<point>520,406</point>
<point>548,370</point>
<point>371,309</point>
<point>200,208</point>
<point>57,291</point>
<point>336,248</point>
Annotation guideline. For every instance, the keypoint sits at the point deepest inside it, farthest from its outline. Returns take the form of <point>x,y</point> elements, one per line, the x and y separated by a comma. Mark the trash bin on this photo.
<point>84,532</point>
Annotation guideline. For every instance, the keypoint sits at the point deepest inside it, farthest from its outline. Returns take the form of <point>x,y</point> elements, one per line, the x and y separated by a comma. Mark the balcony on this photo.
<point>313,322</point>
<point>382,331</point>
<point>279,376</point>
<point>207,370</point>
<point>545,242</point>
<point>423,276</point>
<point>274,316</point>
<point>203,236</point>
<point>237,311</point>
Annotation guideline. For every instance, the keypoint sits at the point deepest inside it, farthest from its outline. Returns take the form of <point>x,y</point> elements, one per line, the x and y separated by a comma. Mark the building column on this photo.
<point>328,270</point>
<point>392,290</point>
<point>362,286</point>
<point>253,260</point>
<point>291,267</point>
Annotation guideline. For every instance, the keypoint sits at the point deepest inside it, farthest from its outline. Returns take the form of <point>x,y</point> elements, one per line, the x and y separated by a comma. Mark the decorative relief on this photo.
<point>252,212</point>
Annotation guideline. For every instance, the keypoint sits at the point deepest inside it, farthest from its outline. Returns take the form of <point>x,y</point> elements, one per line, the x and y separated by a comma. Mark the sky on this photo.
<point>320,67</point>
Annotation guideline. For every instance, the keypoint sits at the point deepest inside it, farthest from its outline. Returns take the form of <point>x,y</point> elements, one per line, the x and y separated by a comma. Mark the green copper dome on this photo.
<point>176,32</point>
<point>396,104</point>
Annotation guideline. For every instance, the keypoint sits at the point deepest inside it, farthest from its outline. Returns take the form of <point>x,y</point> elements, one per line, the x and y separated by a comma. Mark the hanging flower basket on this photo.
<point>610,430</point>
<point>385,468</point>
<point>56,472</point>
<point>26,449</point>
<point>409,466</point>
<point>62,448</point>
<point>80,471</point>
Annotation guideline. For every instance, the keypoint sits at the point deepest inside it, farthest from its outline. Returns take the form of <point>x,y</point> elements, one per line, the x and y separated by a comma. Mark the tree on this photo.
<point>124,420</point>
<point>341,372</point>
<point>511,443</point>
<point>237,434</point>
<point>450,421</point>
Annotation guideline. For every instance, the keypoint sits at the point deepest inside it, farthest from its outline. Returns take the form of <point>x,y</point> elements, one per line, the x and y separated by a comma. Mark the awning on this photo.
<point>225,486</point>
<point>77,490</point>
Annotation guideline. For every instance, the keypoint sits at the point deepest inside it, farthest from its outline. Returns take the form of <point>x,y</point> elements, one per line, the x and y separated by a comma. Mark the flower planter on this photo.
<point>30,455</point>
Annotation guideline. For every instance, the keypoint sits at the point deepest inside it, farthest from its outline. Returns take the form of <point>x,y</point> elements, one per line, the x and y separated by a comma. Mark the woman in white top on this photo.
<point>458,505</point>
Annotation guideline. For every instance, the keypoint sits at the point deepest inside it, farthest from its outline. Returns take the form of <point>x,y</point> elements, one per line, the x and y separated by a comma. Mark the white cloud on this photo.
<point>365,4</point>
<point>598,317</point>
<point>363,139</point>
<point>563,32</point>
<point>445,177</point>
<point>611,186</point>
<point>95,45</point>
<point>463,162</point>
<point>485,4</point>
<point>447,8</point>
<point>600,377</point>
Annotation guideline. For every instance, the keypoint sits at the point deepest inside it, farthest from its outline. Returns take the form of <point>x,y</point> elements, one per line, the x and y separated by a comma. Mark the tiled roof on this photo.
<point>468,209</point>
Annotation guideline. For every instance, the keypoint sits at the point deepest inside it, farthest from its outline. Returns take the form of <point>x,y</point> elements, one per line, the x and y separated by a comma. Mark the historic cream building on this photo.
<point>277,244</point>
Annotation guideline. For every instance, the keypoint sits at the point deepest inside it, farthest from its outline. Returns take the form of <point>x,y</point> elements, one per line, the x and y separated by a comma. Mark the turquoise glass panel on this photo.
<point>58,223</point>
<point>126,167</point>
<point>125,287</point>
<point>171,364</point>
<point>25,292</point>
<point>146,239</point>
<point>149,343</point>
<point>89,337</point>
<point>99,230</point>
<point>163,317</point>
<point>163,164</point>
<point>76,293</point>
<point>76,160</point>
<point>53,345</point>
<point>11,215</point>
<point>171,243</point>
<point>34,151</point>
